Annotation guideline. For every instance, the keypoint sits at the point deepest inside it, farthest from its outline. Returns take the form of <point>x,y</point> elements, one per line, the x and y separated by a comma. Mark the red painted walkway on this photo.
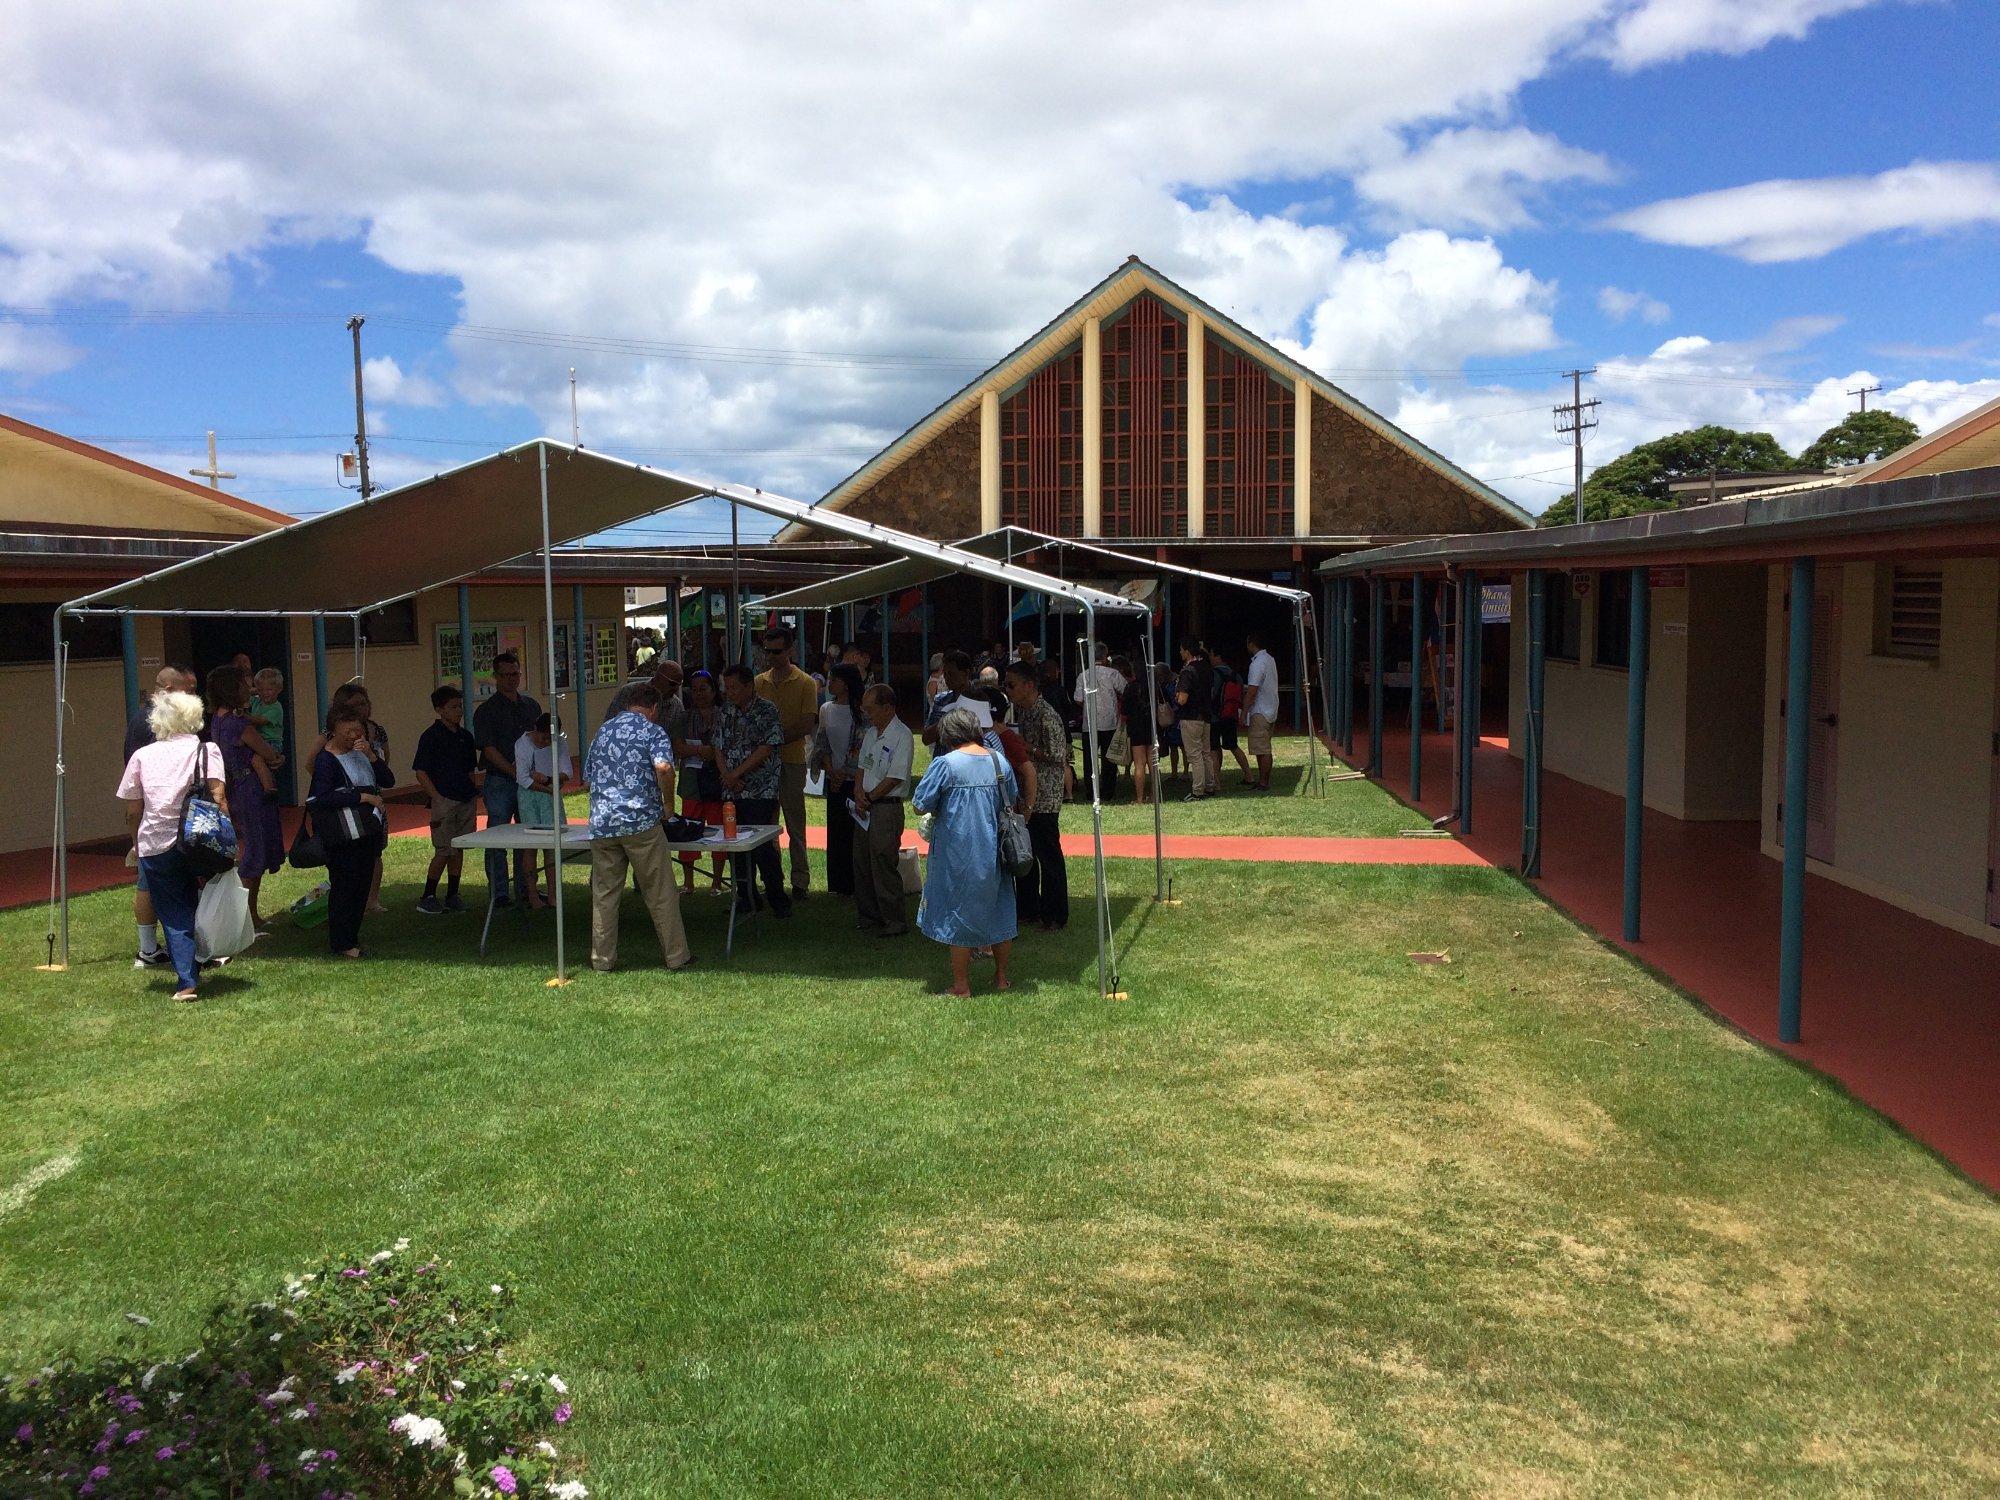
<point>1904,1013</point>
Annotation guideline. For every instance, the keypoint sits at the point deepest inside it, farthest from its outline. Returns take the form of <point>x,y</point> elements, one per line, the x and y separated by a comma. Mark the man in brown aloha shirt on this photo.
<point>1042,895</point>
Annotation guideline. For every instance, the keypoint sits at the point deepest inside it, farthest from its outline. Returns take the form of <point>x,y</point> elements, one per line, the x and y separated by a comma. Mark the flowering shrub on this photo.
<point>376,1375</point>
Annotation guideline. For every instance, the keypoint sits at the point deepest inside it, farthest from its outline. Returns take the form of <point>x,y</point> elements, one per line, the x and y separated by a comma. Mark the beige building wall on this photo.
<point>399,679</point>
<point>1913,767</point>
<point>1703,698</point>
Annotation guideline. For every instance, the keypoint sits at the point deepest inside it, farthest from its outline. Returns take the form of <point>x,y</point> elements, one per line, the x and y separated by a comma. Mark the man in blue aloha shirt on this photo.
<point>630,769</point>
<point>747,738</point>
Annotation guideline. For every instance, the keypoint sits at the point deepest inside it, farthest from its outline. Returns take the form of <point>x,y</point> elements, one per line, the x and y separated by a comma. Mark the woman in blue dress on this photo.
<point>968,902</point>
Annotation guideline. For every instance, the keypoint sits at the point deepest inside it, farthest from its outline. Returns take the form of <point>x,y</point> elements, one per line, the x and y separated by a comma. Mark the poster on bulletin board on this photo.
<point>488,641</point>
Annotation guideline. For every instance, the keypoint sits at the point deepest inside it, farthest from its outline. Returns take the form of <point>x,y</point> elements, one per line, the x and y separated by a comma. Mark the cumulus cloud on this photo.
<point>1799,219</point>
<point>389,383</point>
<point>1475,177</point>
<point>1684,382</point>
<point>1661,31</point>
<point>1620,305</point>
<point>29,351</point>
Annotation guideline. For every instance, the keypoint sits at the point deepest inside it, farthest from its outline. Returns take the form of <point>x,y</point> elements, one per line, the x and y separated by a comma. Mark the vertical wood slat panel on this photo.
<point>1252,446</point>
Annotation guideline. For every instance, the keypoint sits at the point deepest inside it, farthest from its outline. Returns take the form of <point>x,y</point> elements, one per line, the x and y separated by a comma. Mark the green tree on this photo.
<point>1858,437</point>
<point>1638,480</point>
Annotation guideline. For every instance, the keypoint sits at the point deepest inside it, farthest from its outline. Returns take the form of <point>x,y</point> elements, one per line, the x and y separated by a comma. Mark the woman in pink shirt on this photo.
<point>155,788</point>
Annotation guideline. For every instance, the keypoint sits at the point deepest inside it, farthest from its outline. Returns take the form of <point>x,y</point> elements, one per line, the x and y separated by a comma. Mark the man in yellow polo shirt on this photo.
<point>796,697</point>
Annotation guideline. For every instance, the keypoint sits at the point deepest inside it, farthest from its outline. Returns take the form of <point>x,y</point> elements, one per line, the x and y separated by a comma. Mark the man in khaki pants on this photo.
<point>631,773</point>
<point>1194,691</point>
<point>796,697</point>
<point>881,785</point>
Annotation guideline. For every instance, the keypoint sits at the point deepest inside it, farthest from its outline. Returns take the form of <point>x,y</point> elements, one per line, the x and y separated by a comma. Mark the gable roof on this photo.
<point>207,510</point>
<point>1107,297</point>
<point>1969,442</point>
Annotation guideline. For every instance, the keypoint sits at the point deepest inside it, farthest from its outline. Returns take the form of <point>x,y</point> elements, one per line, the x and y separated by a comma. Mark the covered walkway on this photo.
<point>1905,1014</point>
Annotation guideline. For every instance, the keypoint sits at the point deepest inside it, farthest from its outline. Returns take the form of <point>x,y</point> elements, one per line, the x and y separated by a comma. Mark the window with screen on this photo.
<point>1909,611</point>
<point>1613,646</point>
<point>27,635</point>
<point>1562,633</point>
<point>391,625</point>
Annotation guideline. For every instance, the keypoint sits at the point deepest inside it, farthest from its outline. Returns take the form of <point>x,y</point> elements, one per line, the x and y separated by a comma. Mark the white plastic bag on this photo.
<point>815,782</point>
<point>222,925</point>
<point>912,870</point>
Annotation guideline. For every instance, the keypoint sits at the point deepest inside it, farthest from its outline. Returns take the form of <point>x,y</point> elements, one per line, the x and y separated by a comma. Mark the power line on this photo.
<point>1576,418</point>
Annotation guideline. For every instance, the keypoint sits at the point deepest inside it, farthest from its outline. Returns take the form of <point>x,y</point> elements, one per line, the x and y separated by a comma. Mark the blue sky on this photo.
<point>1734,209</point>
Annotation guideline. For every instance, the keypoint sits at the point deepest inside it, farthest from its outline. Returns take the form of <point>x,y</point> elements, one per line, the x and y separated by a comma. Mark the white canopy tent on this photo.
<point>524,501</point>
<point>1009,542</point>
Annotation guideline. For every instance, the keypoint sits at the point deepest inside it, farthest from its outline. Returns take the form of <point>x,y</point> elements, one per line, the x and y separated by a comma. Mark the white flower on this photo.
<point>145,1322</point>
<point>278,1335</point>
<point>402,1245</point>
<point>556,1381</point>
<point>497,1289</point>
<point>280,1396</point>
<point>546,1448</point>
<point>299,1294</point>
<point>297,1414</point>
<point>458,1461</point>
<point>419,1432</point>
<point>345,1376</point>
<point>570,1489</point>
<point>146,1380</point>
<point>458,1385</point>
<point>307,1455</point>
<point>379,1256</point>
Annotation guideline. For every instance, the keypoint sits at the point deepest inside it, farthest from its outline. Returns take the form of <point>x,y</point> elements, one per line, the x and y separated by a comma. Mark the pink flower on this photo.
<point>102,1471</point>
<point>25,1433</point>
<point>503,1479</point>
<point>165,1453</point>
<point>562,1414</point>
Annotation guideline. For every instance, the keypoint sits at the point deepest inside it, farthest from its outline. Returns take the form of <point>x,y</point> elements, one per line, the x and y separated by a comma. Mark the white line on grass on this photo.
<point>17,1197</point>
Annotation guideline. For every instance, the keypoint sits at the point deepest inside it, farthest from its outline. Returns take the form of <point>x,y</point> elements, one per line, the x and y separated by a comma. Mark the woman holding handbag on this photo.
<point>346,808</point>
<point>159,781</point>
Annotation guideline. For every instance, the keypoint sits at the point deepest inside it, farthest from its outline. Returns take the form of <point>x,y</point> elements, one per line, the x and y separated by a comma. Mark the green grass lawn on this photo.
<point>1349,809</point>
<point>1298,1216</point>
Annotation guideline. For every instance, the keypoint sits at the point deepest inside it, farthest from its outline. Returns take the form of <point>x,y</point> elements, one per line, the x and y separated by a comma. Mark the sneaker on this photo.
<point>205,964</point>
<point>453,903</point>
<point>157,959</point>
<point>430,906</point>
<point>1195,797</point>
<point>503,900</point>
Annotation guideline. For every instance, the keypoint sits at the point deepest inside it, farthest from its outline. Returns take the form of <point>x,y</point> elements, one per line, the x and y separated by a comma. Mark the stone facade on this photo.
<point>934,492</point>
<point>1364,485</point>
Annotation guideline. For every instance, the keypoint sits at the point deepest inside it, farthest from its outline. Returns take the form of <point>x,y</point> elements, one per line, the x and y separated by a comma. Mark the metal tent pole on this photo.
<point>735,589</point>
<point>883,609</point>
<point>1153,732</point>
<point>62,800</point>
<point>319,671</point>
<point>561,817</point>
<point>923,649</point>
<point>1089,655</point>
<point>1313,782</point>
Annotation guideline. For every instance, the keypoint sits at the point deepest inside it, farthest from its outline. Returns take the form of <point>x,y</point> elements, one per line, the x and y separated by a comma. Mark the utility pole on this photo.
<point>360,411</point>
<point>575,427</point>
<point>1864,393</point>
<point>212,474</point>
<point>1577,418</point>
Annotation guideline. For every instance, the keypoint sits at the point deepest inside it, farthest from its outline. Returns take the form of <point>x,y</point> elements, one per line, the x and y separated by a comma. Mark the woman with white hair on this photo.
<point>968,900</point>
<point>155,789</point>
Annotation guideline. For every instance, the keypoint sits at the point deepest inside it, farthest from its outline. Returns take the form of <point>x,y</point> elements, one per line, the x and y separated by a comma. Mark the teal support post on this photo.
<point>465,644</point>
<point>128,649</point>
<point>1531,752</point>
<point>1347,662</point>
<point>1416,687</point>
<point>1635,749</point>
<point>1798,735</point>
<point>319,673</point>
<point>885,637</point>
<point>1378,627</point>
<point>579,672</point>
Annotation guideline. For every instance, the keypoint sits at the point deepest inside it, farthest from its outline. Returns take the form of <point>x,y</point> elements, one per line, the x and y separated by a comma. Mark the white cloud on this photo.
<point>30,351</point>
<point>1662,31</point>
<point>387,382</point>
<point>1505,436</point>
<point>1619,305</point>
<point>1474,177</point>
<point>1426,300</point>
<point>1798,219</point>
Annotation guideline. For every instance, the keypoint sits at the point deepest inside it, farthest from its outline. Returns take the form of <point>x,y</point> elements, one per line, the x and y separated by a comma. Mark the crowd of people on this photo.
<point>735,748</point>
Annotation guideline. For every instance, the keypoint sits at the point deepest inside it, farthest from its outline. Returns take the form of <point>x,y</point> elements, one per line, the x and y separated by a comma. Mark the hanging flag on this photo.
<point>908,603</point>
<point>1027,607</point>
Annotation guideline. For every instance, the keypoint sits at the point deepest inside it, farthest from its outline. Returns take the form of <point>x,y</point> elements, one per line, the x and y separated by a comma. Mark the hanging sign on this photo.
<point>1496,603</point>
<point>1667,578</point>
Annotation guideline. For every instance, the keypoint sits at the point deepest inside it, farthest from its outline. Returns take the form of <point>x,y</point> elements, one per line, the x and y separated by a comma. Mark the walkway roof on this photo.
<point>1924,513</point>
<point>481,515</point>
